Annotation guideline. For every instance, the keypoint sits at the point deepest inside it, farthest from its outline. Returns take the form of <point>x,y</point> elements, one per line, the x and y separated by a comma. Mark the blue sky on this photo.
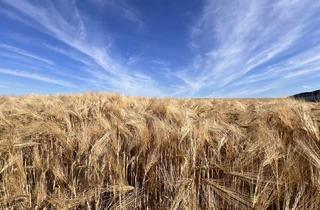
<point>175,48</point>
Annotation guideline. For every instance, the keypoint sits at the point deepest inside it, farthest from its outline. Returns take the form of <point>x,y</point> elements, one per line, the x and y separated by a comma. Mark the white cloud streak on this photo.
<point>248,41</point>
<point>75,34</point>
<point>25,53</point>
<point>34,76</point>
<point>241,47</point>
<point>127,11</point>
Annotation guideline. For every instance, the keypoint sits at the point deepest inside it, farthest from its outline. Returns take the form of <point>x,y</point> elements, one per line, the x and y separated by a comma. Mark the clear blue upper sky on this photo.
<point>179,48</point>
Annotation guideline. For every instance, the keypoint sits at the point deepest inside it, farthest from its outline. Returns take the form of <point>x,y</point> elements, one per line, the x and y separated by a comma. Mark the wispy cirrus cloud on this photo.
<point>238,48</point>
<point>25,53</point>
<point>71,29</point>
<point>71,32</point>
<point>35,76</point>
<point>240,42</point>
<point>125,9</point>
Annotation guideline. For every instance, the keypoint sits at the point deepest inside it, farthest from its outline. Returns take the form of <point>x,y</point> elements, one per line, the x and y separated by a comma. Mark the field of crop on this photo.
<point>96,151</point>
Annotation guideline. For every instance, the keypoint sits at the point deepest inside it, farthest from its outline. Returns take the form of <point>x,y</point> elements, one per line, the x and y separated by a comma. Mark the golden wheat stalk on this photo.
<point>96,151</point>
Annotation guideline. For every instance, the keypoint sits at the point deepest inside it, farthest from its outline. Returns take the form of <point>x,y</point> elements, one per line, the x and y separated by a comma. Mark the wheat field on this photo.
<point>106,151</point>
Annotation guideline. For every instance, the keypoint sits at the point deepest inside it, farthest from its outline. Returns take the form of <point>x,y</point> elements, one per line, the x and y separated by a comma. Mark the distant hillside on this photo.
<point>308,96</point>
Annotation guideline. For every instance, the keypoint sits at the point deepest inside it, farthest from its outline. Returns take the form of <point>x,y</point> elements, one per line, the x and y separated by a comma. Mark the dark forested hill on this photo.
<point>308,96</point>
